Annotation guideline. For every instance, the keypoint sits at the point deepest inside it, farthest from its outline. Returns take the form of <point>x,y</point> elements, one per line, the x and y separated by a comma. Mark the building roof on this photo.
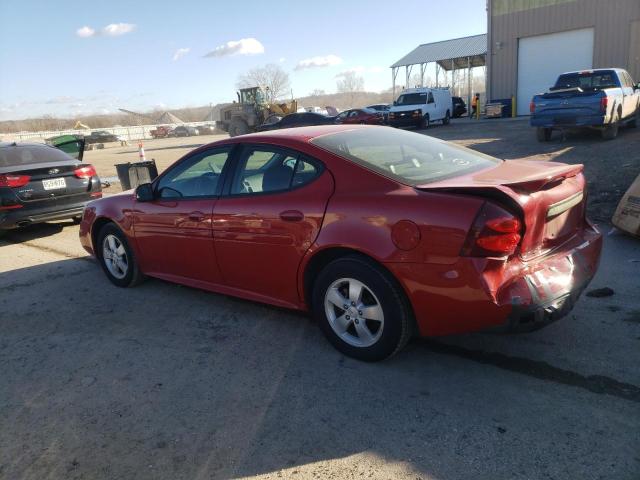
<point>443,52</point>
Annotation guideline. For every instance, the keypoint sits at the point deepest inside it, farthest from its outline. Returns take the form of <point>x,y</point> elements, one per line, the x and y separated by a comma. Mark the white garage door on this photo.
<point>542,58</point>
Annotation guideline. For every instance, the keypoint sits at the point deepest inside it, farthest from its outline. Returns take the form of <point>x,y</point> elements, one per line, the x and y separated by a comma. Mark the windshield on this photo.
<point>587,80</point>
<point>412,99</point>
<point>18,155</point>
<point>410,158</point>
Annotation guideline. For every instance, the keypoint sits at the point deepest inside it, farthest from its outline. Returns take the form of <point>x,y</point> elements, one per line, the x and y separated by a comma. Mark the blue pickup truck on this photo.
<point>602,99</point>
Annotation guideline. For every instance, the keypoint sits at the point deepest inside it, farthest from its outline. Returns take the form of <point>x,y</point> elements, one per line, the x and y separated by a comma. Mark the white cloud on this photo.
<point>282,60</point>
<point>244,46</point>
<point>85,32</point>
<point>181,52</point>
<point>115,29</point>
<point>111,30</point>
<point>319,62</point>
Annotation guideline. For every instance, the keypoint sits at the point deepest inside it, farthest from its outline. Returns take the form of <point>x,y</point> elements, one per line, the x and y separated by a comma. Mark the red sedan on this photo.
<point>363,116</point>
<point>379,232</point>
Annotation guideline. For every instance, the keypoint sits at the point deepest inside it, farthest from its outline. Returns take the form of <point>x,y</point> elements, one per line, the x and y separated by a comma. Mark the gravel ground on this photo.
<point>168,382</point>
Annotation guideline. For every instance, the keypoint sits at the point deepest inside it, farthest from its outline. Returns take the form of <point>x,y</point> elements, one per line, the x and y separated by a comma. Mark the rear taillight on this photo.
<point>85,172</point>
<point>14,181</point>
<point>532,107</point>
<point>604,102</point>
<point>495,233</point>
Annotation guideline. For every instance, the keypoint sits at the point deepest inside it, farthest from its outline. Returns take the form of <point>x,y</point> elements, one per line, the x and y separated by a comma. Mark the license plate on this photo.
<point>54,184</point>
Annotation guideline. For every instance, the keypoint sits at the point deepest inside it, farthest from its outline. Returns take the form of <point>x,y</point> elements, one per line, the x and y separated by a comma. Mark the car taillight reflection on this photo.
<point>85,172</point>
<point>13,181</point>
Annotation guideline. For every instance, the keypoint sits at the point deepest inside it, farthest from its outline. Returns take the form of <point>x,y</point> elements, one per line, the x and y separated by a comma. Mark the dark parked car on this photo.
<point>205,129</point>
<point>185,131</point>
<point>303,119</point>
<point>101,136</point>
<point>364,116</point>
<point>41,182</point>
<point>459,107</point>
<point>379,232</point>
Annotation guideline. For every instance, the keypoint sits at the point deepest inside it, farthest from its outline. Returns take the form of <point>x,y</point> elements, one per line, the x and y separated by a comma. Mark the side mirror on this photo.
<point>144,193</point>
<point>638,86</point>
<point>395,103</point>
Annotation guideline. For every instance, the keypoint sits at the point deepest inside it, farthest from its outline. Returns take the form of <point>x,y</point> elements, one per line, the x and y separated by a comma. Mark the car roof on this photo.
<point>301,134</point>
<point>25,144</point>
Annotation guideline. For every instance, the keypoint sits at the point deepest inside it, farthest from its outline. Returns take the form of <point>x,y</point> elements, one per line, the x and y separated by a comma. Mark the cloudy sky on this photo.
<point>73,58</point>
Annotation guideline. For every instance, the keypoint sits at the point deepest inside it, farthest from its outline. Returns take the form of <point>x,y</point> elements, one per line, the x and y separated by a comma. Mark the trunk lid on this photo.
<point>550,197</point>
<point>569,101</point>
<point>50,181</point>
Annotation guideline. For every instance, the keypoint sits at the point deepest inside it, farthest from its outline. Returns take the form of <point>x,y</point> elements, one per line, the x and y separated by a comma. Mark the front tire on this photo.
<point>361,309</point>
<point>116,257</point>
<point>636,118</point>
<point>424,123</point>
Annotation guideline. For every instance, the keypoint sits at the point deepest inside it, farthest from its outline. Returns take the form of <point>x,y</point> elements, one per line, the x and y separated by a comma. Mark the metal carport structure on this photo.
<point>449,55</point>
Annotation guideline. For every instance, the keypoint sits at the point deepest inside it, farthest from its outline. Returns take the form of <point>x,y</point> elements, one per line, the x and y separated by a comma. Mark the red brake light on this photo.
<point>532,107</point>
<point>85,172</point>
<point>495,233</point>
<point>13,181</point>
<point>604,102</point>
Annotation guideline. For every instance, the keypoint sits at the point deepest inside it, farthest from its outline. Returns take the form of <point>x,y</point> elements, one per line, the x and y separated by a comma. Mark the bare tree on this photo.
<point>271,78</point>
<point>350,83</point>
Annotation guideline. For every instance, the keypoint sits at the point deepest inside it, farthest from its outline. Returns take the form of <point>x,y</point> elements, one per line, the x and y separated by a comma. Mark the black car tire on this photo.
<point>611,131</point>
<point>543,134</point>
<point>633,123</point>
<point>133,274</point>
<point>238,127</point>
<point>424,123</point>
<point>447,118</point>
<point>397,326</point>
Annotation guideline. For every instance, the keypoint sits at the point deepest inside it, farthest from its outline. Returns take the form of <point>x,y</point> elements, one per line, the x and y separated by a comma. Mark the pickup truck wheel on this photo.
<point>611,131</point>
<point>543,134</point>
<point>424,123</point>
<point>633,123</point>
<point>447,118</point>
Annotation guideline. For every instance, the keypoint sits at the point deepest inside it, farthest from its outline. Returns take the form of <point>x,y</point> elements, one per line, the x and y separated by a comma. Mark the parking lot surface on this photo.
<point>163,381</point>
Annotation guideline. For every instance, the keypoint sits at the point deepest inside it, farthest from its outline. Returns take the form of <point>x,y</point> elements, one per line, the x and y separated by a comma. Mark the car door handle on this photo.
<point>292,216</point>
<point>196,216</point>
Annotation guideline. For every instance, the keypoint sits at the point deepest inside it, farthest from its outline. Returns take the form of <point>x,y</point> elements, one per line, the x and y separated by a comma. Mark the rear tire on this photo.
<point>374,322</point>
<point>543,134</point>
<point>447,118</point>
<point>238,127</point>
<point>611,131</point>
<point>116,257</point>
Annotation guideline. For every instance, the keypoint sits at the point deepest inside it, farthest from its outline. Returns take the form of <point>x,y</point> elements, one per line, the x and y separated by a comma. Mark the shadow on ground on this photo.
<point>163,381</point>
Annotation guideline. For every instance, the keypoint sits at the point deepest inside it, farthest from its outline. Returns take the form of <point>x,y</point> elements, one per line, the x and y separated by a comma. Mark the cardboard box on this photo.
<point>627,216</point>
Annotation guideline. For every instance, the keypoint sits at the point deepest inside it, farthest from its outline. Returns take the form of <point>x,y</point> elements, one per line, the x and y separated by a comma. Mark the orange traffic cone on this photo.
<point>141,152</point>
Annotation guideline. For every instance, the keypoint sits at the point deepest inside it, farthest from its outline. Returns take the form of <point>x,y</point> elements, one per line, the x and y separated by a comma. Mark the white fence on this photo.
<point>130,134</point>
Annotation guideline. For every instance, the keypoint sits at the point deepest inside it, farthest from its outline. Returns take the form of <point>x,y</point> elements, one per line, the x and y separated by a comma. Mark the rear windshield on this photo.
<point>18,155</point>
<point>587,80</point>
<point>412,99</point>
<point>409,158</point>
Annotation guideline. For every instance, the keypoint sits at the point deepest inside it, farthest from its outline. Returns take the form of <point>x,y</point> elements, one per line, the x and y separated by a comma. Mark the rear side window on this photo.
<point>407,157</point>
<point>19,155</point>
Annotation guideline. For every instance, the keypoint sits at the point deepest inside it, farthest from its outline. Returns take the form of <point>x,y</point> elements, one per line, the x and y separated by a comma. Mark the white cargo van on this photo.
<point>421,106</point>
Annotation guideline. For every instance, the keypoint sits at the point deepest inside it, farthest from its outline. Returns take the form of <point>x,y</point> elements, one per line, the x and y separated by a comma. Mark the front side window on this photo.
<point>264,170</point>
<point>406,157</point>
<point>197,177</point>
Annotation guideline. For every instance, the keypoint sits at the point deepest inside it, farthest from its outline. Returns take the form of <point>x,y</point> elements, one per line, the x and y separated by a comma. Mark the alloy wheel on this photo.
<point>114,256</point>
<point>354,312</point>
